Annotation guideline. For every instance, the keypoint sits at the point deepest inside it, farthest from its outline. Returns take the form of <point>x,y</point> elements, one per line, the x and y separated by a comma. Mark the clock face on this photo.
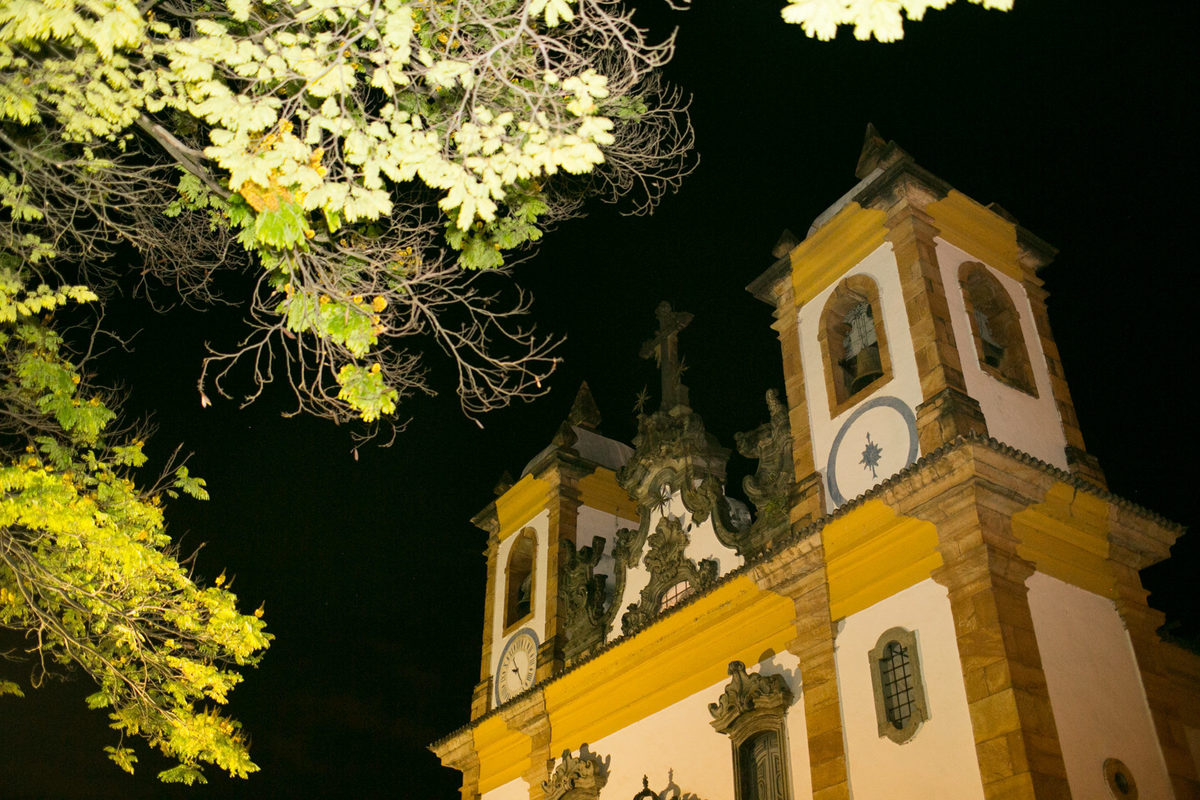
<point>518,663</point>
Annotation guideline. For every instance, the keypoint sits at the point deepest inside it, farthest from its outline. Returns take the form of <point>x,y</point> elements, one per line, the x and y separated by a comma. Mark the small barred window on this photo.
<point>900,706</point>
<point>895,675</point>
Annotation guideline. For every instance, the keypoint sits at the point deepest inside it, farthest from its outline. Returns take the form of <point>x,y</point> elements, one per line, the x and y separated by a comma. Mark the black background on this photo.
<point>1070,115</point>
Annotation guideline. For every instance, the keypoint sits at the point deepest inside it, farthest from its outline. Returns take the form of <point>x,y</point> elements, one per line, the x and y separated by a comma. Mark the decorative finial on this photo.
<point>584,413</point>
<point>664,347</point>
<point>872,149</point>
<point>787,241</point>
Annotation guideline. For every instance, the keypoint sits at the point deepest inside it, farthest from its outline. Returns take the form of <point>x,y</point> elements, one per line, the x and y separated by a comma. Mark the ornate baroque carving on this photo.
<point>581,596</point>
<point>668,565</point>
<point>769,487</point>
<point>577,777</point>
<point>748,693</point>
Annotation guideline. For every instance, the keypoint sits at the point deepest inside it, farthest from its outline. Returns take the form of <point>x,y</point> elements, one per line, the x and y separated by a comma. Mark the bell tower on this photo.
<point>911,315</point>
<point>561,510</point>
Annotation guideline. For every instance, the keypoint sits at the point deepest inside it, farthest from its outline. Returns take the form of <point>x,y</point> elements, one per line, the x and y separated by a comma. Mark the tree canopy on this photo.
<point>87,572</point>
<point>374,162</point>
<point>879,19</point>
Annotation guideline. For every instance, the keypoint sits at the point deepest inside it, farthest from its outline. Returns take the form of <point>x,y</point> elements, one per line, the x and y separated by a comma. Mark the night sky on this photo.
<point>1069,115</point>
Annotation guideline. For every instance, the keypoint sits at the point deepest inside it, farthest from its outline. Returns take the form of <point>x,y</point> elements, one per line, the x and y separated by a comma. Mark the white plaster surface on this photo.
<point>1028,423</point>
<point>592,522</point>
<point>1095,689</point>
<point>939,762</point>
<point>516,789</point>
<point>541,527</point>
<point>880,266</point>
<point>680,738</point>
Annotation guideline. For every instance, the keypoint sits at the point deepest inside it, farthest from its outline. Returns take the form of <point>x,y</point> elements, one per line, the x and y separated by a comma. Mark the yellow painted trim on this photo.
<point>504,754</point>
<point>520,504</point>
<point>674,658</point>
<point>982,233</point>
<point>852,235</point>
<point>872,553</point>
<point>1066,536</point>
<point>601,491</point>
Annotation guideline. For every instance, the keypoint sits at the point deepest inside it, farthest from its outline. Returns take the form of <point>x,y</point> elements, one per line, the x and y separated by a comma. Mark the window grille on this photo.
<point>895,674</point>
<point>675,595</point>
<point>900,704</point>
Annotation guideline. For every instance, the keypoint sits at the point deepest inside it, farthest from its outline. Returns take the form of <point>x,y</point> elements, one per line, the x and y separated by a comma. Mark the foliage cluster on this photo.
<point>366,158</point>
<point>881,19</point>
<point>87,573</point>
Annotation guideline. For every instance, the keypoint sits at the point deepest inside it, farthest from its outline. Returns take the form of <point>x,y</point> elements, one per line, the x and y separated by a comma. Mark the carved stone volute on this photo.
<point>577,777</point>
<point>769,487</point>
<point>748,693</point>
<point>581,596</point>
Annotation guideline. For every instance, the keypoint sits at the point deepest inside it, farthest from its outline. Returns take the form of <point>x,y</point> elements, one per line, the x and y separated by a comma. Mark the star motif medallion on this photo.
<point>870,456</point>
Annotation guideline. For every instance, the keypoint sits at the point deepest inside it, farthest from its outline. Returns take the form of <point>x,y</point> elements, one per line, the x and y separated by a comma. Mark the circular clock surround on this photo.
<point>516,669</point>
<point>875,442</point>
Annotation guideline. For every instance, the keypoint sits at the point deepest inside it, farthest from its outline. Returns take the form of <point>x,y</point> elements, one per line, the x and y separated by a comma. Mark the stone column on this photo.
<point>1163,694</point>
<point>799,573</point>
<point>482,695</point>
<point>808,499</point>
<point>947,411</point>
<point>530,718</point>
<point>1016,740</point>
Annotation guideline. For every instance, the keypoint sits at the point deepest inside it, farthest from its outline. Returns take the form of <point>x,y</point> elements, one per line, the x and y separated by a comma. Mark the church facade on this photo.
<point>934,597</point>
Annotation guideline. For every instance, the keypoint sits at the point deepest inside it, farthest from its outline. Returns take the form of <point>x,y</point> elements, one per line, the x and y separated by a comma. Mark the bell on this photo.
<point>866,368</point>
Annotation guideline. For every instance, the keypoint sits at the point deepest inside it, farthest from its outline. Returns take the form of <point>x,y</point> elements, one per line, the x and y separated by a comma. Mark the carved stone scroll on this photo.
<point>577,777</point>
<point>748,693</point>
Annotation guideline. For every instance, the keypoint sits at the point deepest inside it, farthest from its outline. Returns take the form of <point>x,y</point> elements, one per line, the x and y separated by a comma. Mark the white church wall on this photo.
<point>939,761</point>
<point>517,789</point>
<point>592,522</point>
<point>1095,687</point>
<point>541,565</point>
<point>680,738</point>
<point>1028,423</point>
<point>905,385</point>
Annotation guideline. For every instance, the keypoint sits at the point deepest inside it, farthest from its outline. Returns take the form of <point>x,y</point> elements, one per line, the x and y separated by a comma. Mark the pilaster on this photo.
<point>799,572</point>
<point>947,411</point>
<point>1079,460</point>
<point>482,694</point>
<point>564,517</point>
<point>1016,740</point>
<point>458,752</point>
<point>531,719</point>
<point>807,500</point>
<point>1168,695</point>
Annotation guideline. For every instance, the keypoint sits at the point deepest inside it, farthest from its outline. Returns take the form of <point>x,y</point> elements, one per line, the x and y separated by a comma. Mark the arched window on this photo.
<point>900,706</point>
<point>853,342</point>
<point>518,578</point>
<point>995,327</point>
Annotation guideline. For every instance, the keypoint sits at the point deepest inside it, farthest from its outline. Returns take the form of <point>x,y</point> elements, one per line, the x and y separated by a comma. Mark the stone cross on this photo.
<point>664,347</point>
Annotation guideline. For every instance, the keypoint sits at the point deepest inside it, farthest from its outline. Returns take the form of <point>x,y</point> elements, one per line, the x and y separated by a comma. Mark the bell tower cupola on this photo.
<point>911,315</point>
<point>563,510</point>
